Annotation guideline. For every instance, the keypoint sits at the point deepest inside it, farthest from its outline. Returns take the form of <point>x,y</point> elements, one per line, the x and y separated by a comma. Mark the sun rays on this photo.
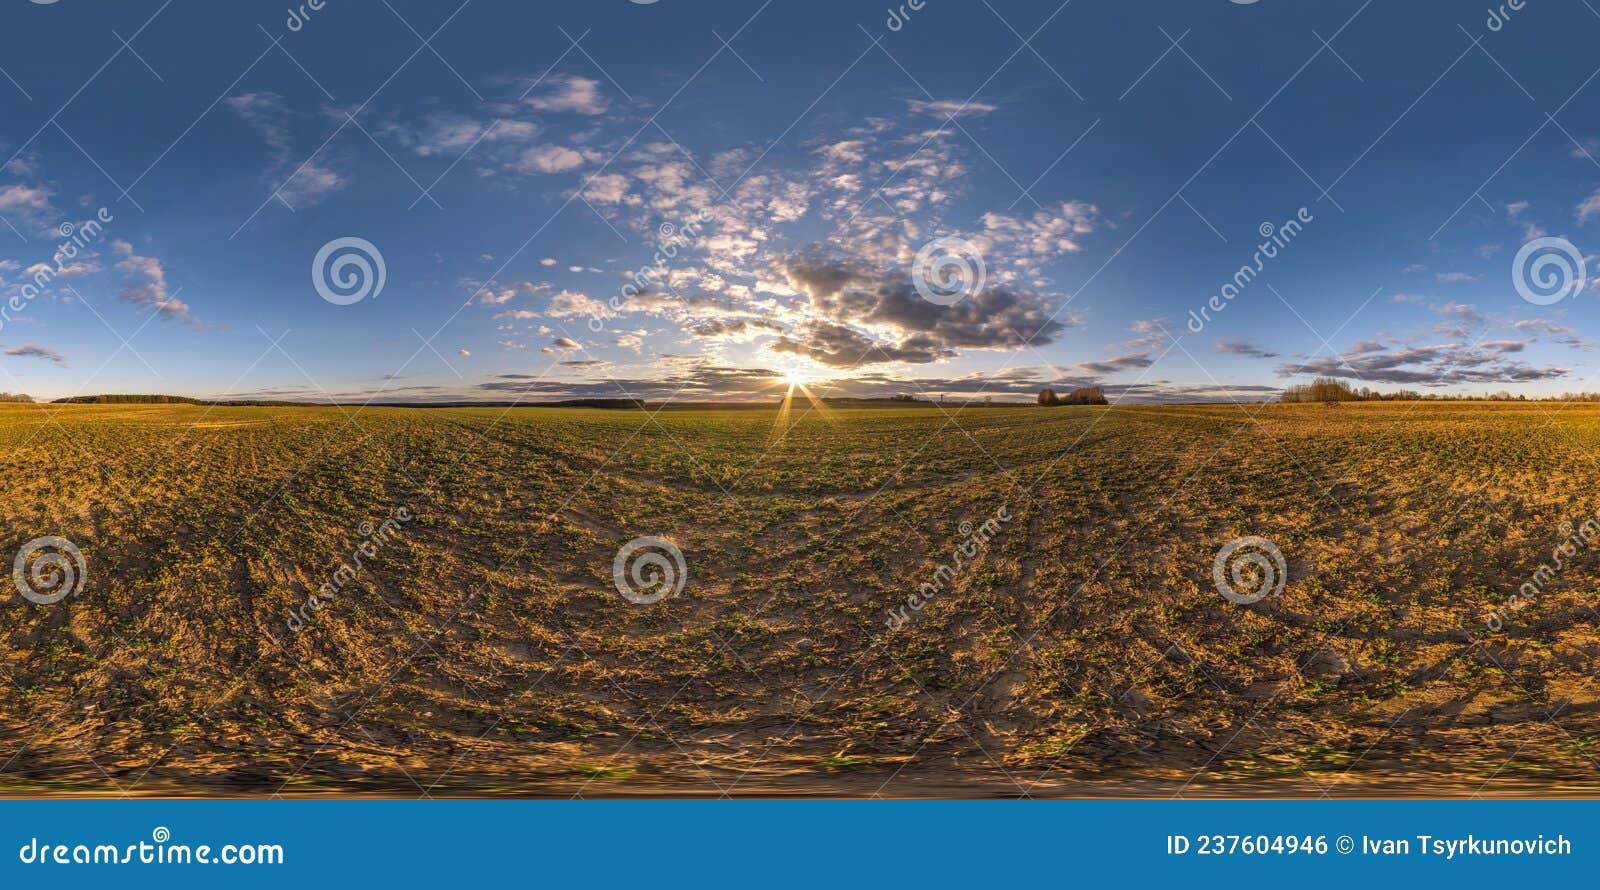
<point>795,379</point>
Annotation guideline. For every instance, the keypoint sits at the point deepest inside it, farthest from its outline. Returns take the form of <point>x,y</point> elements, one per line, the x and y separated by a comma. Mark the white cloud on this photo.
<point>145,284</point>
<point>568,93</point>
<point>951,108</point>
<point>549,159</point>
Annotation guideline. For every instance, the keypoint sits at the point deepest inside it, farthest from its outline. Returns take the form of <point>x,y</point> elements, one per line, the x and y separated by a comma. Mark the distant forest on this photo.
<point>118,399</point>
<point>1328,389</point>
<point>1083,395</point>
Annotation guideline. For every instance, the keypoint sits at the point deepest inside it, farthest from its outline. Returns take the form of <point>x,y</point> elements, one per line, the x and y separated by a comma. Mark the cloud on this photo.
<point>1407,298</point>
<point>846,291</point>
<point>1455,277</point>
<point>1514,215</point>
<point>1437,365</point>
<point>1114,365</point>
<point>1460,320</point>
<point>28,205</point>
<point>568,93</point>
<point>733,329</point>
<point>449,134</point>
<point>308,181</point>
<point>1242,347</point>
<point>1589,207</point>
<point>33,350</point>
<point>701,378</point>
<point>145,284</point>
<point>1541,325</point>
<point>947,108</point>
<point>549,159</point>
<point>840,346</point>
<point>493,293</point>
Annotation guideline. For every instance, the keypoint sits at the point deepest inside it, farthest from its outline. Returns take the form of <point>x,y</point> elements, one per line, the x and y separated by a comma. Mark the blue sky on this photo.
<point>1111,165</point>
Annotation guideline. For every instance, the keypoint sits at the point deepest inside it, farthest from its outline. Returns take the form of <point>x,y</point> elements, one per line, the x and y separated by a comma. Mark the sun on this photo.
<point>796,378</point>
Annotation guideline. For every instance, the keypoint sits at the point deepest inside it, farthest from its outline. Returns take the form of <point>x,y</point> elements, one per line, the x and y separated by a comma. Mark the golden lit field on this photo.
<point>483,648</point>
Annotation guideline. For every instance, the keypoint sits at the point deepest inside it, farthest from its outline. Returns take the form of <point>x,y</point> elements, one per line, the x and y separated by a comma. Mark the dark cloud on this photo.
<point>839,346</point>
<point>33,350</point>
<point>847,291</point>
<point>1242,347</point>
<point>1120,363</point>
<point>1440,365</point>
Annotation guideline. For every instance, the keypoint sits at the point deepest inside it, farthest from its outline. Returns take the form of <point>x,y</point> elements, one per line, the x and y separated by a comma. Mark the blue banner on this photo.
<point>790,843</point>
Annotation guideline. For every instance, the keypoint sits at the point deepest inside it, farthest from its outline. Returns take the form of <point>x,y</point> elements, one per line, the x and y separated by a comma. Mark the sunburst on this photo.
<point>795,379</point>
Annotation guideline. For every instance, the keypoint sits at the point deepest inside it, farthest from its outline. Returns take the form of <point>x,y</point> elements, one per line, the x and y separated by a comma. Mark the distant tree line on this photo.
<point>156,399</point>
<point>1083,395</point>
<point>15,397</point>
<point>1329,389</point>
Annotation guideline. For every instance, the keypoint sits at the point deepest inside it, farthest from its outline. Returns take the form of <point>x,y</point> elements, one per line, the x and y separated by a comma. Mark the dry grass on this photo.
<point>1084,651</point>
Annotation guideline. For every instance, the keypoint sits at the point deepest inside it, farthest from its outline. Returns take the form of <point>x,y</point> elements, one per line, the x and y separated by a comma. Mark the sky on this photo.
<point>1176,200</point>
